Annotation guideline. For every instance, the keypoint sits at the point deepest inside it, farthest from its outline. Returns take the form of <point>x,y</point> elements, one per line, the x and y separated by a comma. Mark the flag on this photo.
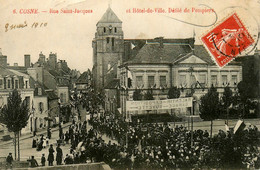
<point>239,126</point>
<point>132,46</point>
<point>226,127</point>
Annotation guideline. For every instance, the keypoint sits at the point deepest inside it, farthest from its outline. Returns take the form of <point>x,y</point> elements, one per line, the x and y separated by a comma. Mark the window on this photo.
<point>61,97</point>
<point>202,80</point>
<point>16,84</point>
<point>27,101</point>
<point>162,80</point>
<point>41,107</point>
<point>104,29</point>
<point>9,84</point>
<point>224,79</point>
<point>107,40</point>
<point>64,98</point>
<point>39,91</point>
<point>214,80</point>
<point>234,80</point>
<point>110,28</point>
<point>26,84</point>
<point>113,42</point>
<point>1,83</point>
<point>182,80</point>
<point>150,81</point>
<point>115,29</point>
<point>139,81</point>
<point>193,80</point>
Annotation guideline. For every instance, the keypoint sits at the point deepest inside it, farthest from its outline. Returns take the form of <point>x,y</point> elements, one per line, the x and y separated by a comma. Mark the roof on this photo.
<point>9,72</point>
<point>109,17</point>
<point>83,78</point>
<point>6,72</point>
<point>113,84</point>
<point>153,53</point>
<point>51,95</point>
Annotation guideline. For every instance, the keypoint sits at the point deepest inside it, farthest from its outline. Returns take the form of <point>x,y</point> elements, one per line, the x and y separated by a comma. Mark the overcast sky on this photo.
<point>71,35</point>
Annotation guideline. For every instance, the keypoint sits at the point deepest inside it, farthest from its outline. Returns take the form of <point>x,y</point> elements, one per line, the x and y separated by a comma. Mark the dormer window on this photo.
<point>110,28</point>
<point>105,29</point>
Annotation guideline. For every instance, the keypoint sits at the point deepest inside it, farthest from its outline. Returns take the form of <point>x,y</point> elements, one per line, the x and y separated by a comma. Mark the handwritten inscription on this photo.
<point>9,27</point>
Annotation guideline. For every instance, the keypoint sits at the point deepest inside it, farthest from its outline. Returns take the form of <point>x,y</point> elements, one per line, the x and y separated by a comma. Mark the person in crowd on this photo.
<point>43,159</point>
<point>33,162</point>
<point>9,161</point>
<point>51,155</point>
<point>34,142</point>
<point>58,155</point>
<point>49,133</point>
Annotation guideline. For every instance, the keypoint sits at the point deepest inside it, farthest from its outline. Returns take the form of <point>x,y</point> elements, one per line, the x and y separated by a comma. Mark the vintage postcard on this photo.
<point>140,84</point>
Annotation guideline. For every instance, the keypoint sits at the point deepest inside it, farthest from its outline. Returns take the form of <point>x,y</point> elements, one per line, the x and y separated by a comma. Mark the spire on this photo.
<point>109,17</point>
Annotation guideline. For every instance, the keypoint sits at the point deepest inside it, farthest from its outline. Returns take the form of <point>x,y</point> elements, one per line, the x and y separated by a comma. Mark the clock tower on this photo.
<point>108,49</point>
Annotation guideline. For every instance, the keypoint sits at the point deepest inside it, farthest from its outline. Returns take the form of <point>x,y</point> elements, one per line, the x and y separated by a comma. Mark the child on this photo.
<point>43,160</point>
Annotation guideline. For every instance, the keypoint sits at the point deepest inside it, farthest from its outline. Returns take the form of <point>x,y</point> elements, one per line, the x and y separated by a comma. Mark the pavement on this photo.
<point>30,135</point>
<point>26,149</point>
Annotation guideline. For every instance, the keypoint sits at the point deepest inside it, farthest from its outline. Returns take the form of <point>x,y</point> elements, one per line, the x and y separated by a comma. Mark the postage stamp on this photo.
<point>227,40</point>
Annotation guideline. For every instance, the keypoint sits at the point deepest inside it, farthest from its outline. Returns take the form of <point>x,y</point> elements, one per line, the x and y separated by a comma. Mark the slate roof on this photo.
<point>6,72</point>
<point>109,17</point>
<point>51,95</point>
<point>83,78</point>
<point>153,53</point>
<point>113,84</point>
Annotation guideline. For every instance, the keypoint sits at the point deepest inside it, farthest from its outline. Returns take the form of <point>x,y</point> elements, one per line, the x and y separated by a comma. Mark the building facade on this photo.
<point>108,49</point>
<point>123,65</point>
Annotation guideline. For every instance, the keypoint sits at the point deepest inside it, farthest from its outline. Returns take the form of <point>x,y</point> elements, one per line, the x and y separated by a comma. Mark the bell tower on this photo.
<point>108,48</point>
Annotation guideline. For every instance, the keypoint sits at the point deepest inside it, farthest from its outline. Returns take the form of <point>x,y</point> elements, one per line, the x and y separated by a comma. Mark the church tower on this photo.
<point>108,49</point>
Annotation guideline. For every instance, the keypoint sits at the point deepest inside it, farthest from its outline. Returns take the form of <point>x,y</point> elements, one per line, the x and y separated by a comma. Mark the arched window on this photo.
<point>113,42</point>
<point>115,29</point>
<point>41,107</point>
<point>107,39</point>
<point>61,97</point>
<point>104,29</point>
<point>110,28</point>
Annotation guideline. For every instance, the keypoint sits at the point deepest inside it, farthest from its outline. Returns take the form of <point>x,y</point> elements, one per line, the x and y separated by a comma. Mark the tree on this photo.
<point>209,107</point>
<point>245,92</point>
<point>174,93</point>
<point>227,98</point>
<point>137,94</point>
<point>149,95</point>
<point>15,116</point>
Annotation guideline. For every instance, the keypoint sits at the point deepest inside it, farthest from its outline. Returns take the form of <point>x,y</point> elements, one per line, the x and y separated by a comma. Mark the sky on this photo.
<point>70,35</point>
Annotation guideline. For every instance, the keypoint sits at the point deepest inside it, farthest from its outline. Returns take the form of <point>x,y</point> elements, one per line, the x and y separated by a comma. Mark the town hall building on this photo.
<point>123,65</point>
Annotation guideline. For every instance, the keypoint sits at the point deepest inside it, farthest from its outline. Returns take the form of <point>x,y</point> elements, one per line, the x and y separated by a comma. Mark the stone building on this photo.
<point>108,49</point>
<point>123,65</point>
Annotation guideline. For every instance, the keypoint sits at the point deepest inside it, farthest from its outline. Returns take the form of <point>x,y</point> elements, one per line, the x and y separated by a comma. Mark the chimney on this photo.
<point>160,40</point>
<point>27,60</point>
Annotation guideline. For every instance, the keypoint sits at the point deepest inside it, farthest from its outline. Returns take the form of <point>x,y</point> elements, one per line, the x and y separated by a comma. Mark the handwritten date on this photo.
<point>9,27</point>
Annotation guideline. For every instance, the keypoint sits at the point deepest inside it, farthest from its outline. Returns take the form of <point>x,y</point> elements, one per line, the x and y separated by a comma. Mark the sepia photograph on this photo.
<point>129,85</point>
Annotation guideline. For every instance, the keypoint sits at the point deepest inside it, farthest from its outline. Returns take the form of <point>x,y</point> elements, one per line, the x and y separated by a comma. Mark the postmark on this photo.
<point>227,40</point>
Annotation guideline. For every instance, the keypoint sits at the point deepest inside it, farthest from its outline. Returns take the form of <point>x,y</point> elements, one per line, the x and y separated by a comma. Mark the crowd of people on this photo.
<point>150,145</point>
<point>159,146</point>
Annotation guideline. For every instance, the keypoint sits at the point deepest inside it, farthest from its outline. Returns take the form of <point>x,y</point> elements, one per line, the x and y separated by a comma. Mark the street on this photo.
<point>26,149</point>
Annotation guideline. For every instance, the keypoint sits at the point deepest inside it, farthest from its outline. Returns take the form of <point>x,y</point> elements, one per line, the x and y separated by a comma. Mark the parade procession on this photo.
<point>120,85</point>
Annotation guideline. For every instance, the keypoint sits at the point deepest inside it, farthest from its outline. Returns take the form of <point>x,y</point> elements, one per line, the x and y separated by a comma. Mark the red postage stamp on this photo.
<point>227,40</point>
